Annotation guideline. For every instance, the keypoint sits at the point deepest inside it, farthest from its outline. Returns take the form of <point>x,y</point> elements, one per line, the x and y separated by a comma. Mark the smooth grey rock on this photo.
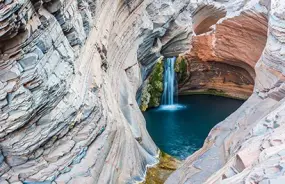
<point>29,61</point>
<point>16,160</point>
<point>2,181</point>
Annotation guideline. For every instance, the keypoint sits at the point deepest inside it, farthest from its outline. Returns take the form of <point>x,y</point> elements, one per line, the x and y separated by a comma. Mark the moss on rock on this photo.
<point>160,172</point>
<point>181,68</point>
<point>145,96</point>
<point>153,89</point>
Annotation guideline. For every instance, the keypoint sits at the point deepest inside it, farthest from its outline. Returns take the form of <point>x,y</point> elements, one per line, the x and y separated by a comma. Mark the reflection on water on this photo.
<point>174,107</point>
<point>181,129</point>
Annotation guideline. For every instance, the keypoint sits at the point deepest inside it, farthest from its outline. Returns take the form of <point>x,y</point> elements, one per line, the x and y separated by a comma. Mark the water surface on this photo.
<point>180,130</point>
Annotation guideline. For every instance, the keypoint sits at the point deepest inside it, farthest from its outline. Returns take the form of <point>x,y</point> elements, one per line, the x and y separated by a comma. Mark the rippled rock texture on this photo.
<point>69,75</point>
<point>225,48</point>
<point>216,78</point>
<point>248,146</point>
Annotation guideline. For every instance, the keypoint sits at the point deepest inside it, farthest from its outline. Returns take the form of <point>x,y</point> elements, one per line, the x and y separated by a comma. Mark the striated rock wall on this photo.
<point>225,50</point>
<point>218,79</point>
<point>248,146</point>
<point>69,75</point>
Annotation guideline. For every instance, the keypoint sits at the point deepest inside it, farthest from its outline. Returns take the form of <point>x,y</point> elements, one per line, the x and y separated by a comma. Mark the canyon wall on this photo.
<point>224,50</point>
<point>248,146</point>
<point>69,75</point>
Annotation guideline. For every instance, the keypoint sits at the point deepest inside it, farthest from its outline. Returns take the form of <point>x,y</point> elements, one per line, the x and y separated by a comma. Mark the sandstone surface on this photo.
<point>225,48</point>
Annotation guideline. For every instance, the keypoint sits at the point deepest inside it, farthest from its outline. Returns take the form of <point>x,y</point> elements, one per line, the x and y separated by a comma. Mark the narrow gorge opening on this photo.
<point>180,123</point>
<point>214,77</point>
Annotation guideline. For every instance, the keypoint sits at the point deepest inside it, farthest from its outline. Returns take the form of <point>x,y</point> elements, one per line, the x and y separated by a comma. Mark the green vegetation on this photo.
<point>153,89</point>
<point>160,172</point>
<point>145,97</point>
<point>72,124</point>
<point>181,68</point>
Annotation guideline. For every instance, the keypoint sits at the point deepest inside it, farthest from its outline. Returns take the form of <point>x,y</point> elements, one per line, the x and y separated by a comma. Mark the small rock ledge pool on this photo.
<point>180,130</point>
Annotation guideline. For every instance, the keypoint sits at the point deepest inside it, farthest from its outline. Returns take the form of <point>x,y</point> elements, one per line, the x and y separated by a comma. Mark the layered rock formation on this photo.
<point>216,78</point>
<point>225,49</point>
<point>248,146</point>
<point>69,74</point>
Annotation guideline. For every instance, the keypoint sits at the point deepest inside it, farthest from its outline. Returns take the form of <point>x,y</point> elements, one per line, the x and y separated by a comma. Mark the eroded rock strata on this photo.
<point>248,146</point>
<point>71,73</point>
<point>216,78</point>
<point>225,50</point>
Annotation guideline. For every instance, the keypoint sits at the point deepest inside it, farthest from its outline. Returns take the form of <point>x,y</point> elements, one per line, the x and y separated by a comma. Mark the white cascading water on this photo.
<point>169,82</point>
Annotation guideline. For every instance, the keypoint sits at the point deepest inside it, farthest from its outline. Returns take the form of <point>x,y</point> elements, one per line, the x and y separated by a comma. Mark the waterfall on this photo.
<point>169,82</point>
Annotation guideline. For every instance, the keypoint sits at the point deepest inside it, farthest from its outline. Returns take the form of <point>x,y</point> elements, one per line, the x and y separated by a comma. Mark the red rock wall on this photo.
<point>217,78</point>
<point>237,42</point>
